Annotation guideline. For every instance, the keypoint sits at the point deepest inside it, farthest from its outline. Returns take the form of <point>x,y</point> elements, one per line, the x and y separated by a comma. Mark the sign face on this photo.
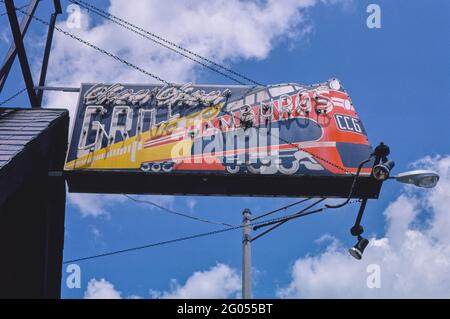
<point>277,130</point>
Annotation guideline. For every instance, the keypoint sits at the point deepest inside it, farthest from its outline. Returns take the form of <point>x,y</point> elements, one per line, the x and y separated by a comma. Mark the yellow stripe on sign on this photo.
<point>129,154</point>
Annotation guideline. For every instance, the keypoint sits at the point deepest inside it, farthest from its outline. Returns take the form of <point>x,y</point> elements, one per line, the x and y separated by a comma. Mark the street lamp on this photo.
<point>381,172</point>
<point>421,178</point>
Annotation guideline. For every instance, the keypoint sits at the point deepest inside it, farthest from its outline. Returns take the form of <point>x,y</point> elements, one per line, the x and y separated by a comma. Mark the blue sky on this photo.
<point>398,77</point>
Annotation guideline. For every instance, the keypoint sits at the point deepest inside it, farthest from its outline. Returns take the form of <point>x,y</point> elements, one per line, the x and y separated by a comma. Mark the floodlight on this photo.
<point>381,171</point>
<point>358,250</point>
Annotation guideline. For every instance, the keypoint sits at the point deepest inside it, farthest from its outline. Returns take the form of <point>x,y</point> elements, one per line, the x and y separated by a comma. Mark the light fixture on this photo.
<point>334,84</point>
<point>420,178</point>
<point>358,250</point>
<point>381,171</point>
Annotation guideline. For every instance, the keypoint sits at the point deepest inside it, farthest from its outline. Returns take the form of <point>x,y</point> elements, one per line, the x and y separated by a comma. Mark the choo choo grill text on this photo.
<point>115,113</point>
<point>117,94</point>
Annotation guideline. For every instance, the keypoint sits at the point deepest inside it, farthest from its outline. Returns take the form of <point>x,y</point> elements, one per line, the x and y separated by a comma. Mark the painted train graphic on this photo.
<point>285,129</point>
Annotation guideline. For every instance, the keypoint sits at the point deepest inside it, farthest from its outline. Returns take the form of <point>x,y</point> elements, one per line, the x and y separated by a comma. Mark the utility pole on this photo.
<point>247,238</point>
<point>246,255</point>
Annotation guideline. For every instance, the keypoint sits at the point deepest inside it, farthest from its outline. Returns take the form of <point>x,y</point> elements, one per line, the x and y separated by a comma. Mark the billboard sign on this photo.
<point>229,131</point>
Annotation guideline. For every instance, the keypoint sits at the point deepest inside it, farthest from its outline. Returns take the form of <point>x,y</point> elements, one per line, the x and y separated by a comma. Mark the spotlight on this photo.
<point>381,171</point>
<point>357,250</point>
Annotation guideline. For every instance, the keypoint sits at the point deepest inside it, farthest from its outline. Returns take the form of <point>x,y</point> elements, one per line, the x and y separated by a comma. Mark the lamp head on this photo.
<point>420,178</point>
<point>381,171</point>
<point>358,250</point>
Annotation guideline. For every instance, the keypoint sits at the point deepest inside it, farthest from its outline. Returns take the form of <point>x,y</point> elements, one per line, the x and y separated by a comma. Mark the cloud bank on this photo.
<point>220,281</point>
<point>101,289</point>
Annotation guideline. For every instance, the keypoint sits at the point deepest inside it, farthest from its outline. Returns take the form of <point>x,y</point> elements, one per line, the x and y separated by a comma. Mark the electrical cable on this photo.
<point>152,245</point>
<point>158,42</point>
<point>171,211</point>
<point>5,13</point>
<point>13,96</point>
<point>160,39</point>
<point>353,184</point>
<point>272,221</point>
<point>279,209</point>
<point>286,218</point>
<point>129,64</point>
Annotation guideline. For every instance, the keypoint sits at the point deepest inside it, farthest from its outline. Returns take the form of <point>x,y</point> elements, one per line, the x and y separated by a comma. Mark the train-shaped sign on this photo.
<point>233,132</point>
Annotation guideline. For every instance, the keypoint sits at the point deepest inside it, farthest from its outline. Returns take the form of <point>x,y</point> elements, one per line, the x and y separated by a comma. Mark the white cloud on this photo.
<point>101,289</point>
<point>225,31</point>
<point>414,255</point>
<point>94,205</point>
<point>98,205</point>
<point>220,281</point>
<point>438,200</point>
<point>191,203</point>
<point>96,233</point>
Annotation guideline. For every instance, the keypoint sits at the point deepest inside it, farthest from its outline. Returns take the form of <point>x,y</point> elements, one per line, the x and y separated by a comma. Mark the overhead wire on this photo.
<point>205,234</point>
<point>171,211</point>
<point>12,97</point>
<point>94,9</point>
<point>286,218</point>
<point>280,209</point>
<point>5,13</point>
<point>161,40</point>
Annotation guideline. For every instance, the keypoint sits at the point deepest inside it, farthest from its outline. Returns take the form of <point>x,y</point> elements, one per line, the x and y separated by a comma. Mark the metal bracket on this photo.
<point>55,173</point>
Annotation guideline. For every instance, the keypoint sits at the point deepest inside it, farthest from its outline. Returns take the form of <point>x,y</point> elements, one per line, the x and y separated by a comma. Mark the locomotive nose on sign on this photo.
<point>279,140</point>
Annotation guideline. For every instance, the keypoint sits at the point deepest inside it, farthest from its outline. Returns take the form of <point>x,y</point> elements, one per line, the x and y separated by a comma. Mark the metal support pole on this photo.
<point>11,55</point>
<point>18,41</point>
<point>48,46</point>
<point>246,256</point>
<point>357,229</point>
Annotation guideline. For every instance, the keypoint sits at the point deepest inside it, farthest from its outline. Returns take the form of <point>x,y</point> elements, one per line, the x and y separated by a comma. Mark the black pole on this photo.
<point>11,55</point>
<point>48,46</point>
<point>357,229</point>
<point>18,40</point>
